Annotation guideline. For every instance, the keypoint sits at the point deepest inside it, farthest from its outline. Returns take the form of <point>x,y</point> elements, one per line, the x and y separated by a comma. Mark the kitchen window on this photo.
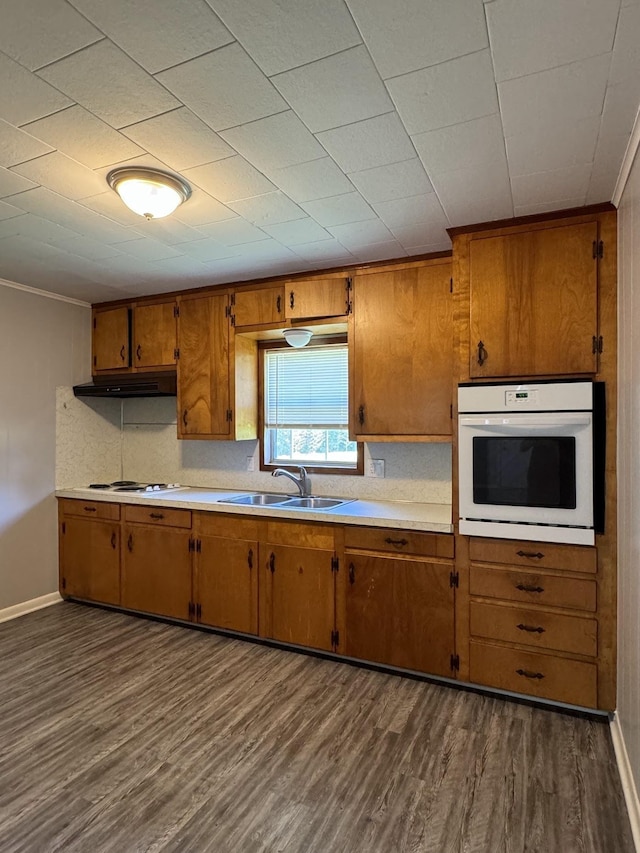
<point>306,409</point>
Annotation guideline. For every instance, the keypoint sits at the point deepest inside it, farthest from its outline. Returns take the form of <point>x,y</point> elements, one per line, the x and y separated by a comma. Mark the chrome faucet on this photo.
<point>302,482</point>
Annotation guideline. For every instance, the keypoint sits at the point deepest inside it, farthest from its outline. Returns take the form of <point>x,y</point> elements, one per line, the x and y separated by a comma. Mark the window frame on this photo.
<point>263,346</point>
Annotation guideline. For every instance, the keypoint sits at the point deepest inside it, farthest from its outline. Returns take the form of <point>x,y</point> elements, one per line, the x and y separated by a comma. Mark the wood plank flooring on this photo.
<point>119,734</point>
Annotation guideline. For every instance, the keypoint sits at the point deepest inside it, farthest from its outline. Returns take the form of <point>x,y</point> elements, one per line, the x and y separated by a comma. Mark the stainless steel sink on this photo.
<point>262,499</point>
<point>314,503</point>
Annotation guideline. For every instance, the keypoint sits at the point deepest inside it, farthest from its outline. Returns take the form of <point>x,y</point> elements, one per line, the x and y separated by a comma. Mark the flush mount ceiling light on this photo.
<point>297,337</point>
<point>149,192</point>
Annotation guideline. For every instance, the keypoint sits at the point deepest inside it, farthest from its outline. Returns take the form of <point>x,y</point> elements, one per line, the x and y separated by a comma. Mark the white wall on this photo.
<point>44,342</point>
<point>629,468</point>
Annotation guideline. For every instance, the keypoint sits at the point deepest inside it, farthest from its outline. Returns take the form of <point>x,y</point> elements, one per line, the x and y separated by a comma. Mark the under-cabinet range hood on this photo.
<point>147,385</point>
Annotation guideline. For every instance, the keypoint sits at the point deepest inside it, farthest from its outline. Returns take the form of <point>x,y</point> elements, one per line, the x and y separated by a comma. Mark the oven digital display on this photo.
<point>532,471</point>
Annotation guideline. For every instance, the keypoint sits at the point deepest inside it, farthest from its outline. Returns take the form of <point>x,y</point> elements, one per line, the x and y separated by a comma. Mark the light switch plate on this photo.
<point>251,463</point>
<point>376,468</point>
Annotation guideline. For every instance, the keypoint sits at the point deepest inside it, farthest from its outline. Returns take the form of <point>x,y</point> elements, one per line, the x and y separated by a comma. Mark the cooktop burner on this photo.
<point>133,486</point>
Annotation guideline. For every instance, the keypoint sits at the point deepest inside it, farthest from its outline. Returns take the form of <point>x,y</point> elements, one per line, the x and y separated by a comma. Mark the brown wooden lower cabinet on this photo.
<point>90,559</point>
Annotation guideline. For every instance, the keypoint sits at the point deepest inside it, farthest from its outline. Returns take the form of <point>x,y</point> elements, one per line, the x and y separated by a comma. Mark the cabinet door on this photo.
<point>90,560</point>
<point>400,612</point>
<point>534,302</point>
<point>203,368</point>
<point>326,297</point>
<point>255,307</point>
<point>111,340</point>
<point>402,353</point>
<point>154,335</point>
<point>227,585</point>
<point>299,599</point>
<point>156,570</point>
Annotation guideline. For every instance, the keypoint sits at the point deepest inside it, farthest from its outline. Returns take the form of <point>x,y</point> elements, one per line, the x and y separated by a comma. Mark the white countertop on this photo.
<point>409,515</point>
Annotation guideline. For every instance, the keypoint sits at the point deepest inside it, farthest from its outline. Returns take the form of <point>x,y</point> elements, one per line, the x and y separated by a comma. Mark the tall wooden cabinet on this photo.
<point>401,353</point>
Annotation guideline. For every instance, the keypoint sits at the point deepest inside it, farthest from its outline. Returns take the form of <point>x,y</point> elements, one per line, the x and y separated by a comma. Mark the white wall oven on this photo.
<point>531,460</point>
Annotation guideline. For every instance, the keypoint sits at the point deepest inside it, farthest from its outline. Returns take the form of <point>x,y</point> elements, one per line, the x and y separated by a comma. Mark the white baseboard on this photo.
<point>626,776</point>
<point>29,606</point>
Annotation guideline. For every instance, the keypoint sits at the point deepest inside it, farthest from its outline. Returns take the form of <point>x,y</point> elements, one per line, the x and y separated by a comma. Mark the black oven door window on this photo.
<point>530,471</point>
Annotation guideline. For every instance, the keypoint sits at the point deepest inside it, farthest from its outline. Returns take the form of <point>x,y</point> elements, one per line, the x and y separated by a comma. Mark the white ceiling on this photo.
<point>314,133</point>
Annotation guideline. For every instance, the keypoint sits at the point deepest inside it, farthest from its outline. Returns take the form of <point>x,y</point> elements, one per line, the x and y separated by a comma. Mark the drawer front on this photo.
<point>90,509</point>
<point>399,541</point>
<point>301,535</point>
<point>540,675</point>
<point>544,555</point>
<point>226,526</point>
<point>160,515</point>
<point>533,588</point>
<point>540,628</point>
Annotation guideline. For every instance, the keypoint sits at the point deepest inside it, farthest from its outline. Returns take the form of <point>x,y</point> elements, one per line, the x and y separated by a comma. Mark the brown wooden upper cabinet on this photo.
<point>131,338</point>
<point>316,298</point>
<point>534,302</point>
<point>259,306</point>
<point>401,353</point>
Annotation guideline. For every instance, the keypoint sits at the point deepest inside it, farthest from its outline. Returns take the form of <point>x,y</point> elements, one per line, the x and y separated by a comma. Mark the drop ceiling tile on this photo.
<point>267,209</point>
<point>540,34</point>
<point>379,252</point>
<point>158,33</point>
<point>443,245</point>
<point>369,143</point>
<point>80,135</point>
<point>233,232</point>
<point>395,180</point>
<point>491,179</point>
<point>570,182</point>
<point>179,139</point>
<point>297,231</point>
<point>565,145</point>
<point>35,228</point>
<point>340,209</point>
<point>282,34</point>
<point>36,98</point>
<point>407,35</point>
<point>449,93</point>
<point>8,211</point>
<point>230,179</point>
<point>338,90</point>
<point>546,207</point>
<point>275,142</point>
<point>308,181</point>
<point>225,88</point>
<point>267,250</point>
<point>10,183</point>
<point>37,32</point>
<point>16,146</point>
<point>121,93</point>
<point>356,234</point>
<point>621,107</point>
<point>471,143</point>
<point>89,249</point>
<point>169,231</point>
<point>540,102</point>
<point>420,235</point>
<point>625,62</point>
<point>468,211</point>
<point>201,209</point>
<point>601,187</point>
<point>324,249</point>
<point>146,249</point>
<point>208,250</point>
<point>109,204</point>
<point>62,175</point>
<point>401,213</point>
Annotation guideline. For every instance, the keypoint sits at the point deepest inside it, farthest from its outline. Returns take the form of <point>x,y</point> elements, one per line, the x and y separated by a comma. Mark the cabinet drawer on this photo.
<point>302,535</point>
<point>533,588</point>
<point>399,541</point>
<point>90,509</point>
<point>547,555</point>
<point>160,515</point>
<point>541,675</point>
<point>227,526</point>
<point>539,628</point>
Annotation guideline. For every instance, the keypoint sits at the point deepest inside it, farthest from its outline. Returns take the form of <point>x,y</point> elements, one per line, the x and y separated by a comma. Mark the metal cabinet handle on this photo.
<point>130,542</point>
<point>184,417</point>
<point>400,543</point>
<point>530,628</point>
<point>523,587</point>
<point>157,515</point>
<point>114,539</point>
<point>352,573</point>
<point>279,304</point>
<point>122,352</point>
<point>482,353</point>
<point>528,674</point>
<point>292,299</point>
<point>89,509</point>
<point>361,415</point>
<point>532,555</point>
<point>250,558</point>
<point>138,352</point>
<point>272,562</point>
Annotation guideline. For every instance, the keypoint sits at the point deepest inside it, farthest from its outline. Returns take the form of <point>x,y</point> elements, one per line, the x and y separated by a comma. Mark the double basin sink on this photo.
<point>285,501</point>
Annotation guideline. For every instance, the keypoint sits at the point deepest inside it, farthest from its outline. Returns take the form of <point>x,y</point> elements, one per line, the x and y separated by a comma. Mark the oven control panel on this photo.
<point>521,398</point>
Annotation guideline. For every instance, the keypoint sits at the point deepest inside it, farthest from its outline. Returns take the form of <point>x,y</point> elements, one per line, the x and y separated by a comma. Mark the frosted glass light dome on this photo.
<point>149,192</point>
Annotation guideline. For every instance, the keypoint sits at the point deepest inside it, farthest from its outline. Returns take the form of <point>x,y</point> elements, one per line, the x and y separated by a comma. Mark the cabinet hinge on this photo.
<point>454,579</point>
<point>455,662</point>
<point>598,249</point>
<point>64,583</point>
<point>176,353</point>
<point>192,544</point>
<point>198,611</point>
<point>597,344</point>
<point>229,415</point>
<point>64,527</point>
<point>335,638</point>
<point>451,285</point>
<point>95,361</point>
<point>451,411</point>
<point>176,310</point>
<point>191,609</point>
<point>349,289</point>
<point>335,564</point>
<point>199,546</point>
<point>232,299</point>
<point>227,310</point>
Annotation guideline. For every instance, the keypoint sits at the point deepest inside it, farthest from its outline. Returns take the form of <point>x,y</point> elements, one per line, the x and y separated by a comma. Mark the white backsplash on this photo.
<point>151,452</point>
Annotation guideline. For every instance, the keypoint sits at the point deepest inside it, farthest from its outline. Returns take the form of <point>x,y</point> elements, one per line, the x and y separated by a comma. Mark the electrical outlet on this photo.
<point>251,463</point>
<point>375,468</point>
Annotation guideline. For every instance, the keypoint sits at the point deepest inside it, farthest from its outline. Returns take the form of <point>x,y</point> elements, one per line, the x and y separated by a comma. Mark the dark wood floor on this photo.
<point>121,734</point>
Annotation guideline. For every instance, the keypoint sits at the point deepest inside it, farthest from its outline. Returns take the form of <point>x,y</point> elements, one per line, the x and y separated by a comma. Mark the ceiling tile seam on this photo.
<point>233,40</point>
<point>436,64</point>
<point>67,56</point>
<point>318,59</point>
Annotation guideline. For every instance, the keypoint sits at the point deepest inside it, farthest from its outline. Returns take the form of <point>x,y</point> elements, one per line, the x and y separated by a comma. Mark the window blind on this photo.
<point>307,388</point>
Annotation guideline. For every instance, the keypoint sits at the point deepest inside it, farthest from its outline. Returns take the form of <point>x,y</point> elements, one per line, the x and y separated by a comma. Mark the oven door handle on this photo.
<point>530,422</point>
